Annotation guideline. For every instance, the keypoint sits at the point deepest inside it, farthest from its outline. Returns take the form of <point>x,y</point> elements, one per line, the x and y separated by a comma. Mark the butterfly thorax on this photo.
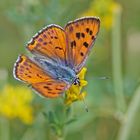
<point>57,71</point>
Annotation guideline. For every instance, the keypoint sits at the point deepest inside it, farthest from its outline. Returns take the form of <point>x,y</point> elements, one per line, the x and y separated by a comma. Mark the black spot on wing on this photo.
<point>44,36</point>
<point>47,87</point>
<point>58,89</point>
<point>73,44</point>
<point>56,37</point>
<point>87,30</point>
<point>93,37</point>
<point>28,75</point>
<point>38,75</point>
<point>83,35</point>
<point>50,42</point>
<point>90,32</point>
<point>40,39</point>
<point>44,43</point>
<point>49,83</point>
<point>50,92</point>
<point>86,44</point>
<point>82,54</point>
<point>78,35</point>
<point>57,47</point>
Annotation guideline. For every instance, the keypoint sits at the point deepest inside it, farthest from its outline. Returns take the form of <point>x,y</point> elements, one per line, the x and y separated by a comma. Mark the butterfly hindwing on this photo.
<point>49,42</point>
<point>28,71</point>
<point>81,35</point>
<point>50,89</point>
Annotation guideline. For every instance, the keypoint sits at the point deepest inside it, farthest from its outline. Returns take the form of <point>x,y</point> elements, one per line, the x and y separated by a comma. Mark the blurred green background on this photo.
<point>114,104</point>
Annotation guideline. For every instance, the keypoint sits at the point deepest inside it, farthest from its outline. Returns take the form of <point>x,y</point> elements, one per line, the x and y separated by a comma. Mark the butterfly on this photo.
<point>59,54</point>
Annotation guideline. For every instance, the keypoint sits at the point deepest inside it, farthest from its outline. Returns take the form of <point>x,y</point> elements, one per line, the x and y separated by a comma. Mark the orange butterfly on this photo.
<point>58,56</point>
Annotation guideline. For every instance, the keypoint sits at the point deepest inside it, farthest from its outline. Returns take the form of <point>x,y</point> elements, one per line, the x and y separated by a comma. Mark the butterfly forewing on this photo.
<point>27,71</point>
<point>49,42</point>
<point>81,35</point>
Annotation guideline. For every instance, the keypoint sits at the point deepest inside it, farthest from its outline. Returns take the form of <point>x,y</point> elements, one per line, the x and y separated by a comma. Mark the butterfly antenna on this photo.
<point>85,105</point>
<point>103,78</point>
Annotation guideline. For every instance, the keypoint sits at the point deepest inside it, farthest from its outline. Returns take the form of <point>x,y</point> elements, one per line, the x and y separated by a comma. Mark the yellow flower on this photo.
<point>74,92</point>
<point>15,103</point>
<point>103,9</point>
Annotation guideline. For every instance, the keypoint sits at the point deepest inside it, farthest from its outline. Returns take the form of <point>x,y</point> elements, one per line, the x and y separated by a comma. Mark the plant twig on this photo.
<point>4,129</point>
<point>126,127</point>
<point>117,60</point>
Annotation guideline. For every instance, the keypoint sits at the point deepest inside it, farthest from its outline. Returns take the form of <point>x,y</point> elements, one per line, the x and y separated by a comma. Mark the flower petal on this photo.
<point>74,92</point>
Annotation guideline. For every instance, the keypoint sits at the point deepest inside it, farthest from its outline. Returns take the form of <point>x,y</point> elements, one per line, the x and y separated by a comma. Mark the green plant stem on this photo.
<point>60,138</point>
<point>117,60</point>
<point>130,115</point>
<point>4,129</point>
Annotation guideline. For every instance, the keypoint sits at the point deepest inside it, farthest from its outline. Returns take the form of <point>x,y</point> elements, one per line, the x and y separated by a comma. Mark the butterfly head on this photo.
<point>77,81</point>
